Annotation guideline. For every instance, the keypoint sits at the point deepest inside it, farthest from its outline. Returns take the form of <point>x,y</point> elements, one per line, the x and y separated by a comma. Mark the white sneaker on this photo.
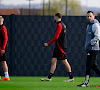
<point>45,79</point>
<point>83,85</point>
<point>69,80</point>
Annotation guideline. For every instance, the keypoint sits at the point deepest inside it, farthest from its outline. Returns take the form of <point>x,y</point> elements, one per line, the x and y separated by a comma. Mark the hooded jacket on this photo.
<point>92,35</point>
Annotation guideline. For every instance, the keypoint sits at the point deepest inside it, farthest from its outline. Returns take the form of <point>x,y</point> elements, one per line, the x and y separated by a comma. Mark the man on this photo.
<point>3,44</point>
<point>92,46</point>
<point>59,51</point>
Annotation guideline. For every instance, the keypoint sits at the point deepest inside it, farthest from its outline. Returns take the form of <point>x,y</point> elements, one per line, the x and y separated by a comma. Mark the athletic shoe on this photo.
<point>5,79</point>
<point>69,80</point>
<point>83,85</point>
<point>45,79</point>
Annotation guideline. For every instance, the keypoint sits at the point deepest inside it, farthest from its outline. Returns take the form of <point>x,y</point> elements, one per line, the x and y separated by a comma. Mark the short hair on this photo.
<point>1,18</point>
<point>90,12</point>
<point>58,15</point>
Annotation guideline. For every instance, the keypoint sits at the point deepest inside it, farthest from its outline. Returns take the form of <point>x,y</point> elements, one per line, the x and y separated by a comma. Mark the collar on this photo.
<point>94,21</point>
<point>1,25</point>
<point>58,22</point>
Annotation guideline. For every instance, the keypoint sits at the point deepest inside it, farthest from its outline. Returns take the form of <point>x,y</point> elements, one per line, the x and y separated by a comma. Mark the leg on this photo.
<point>88,69</point>
<point>4,65</point>
<point>68,68</point>
<point>96,69</point>
<point>89,63</point>
<point>5,68</point>
<point>65,62</point>
<point>53,65</point>
<point>95,66</point>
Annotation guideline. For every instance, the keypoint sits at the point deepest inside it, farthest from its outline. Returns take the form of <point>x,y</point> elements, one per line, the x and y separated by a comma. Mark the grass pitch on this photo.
<point>57,83</point>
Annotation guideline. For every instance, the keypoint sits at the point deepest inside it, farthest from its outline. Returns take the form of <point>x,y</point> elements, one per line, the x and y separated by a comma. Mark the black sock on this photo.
<point>50,75</point>
<point>70,75</point>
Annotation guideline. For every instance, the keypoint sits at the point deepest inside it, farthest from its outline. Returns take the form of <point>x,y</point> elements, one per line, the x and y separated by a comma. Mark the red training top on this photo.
<point>60,37</point>
<point>3,37</point>
<point>58,31</point>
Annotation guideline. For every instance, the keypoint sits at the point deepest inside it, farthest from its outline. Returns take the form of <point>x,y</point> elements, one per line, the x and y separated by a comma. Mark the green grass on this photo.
<point>57,83</point>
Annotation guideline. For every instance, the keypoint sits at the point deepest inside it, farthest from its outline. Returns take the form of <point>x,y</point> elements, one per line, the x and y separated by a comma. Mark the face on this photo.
<point>1,21</point>
<point>90,17</point>
<point>55,18</point>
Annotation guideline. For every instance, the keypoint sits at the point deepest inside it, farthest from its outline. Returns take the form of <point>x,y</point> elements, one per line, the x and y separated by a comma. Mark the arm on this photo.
<point>96,30</point>
<point>58,31</point>
<point>4,33</point>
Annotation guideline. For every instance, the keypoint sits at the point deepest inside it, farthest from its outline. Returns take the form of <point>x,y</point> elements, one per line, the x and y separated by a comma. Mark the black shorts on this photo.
<point>58,54</point>
<point>3,58</point>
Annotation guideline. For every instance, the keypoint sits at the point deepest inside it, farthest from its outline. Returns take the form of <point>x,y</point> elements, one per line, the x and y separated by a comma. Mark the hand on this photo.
<point>2,51</point>
<point>93,42</point>
<point>45,44</point>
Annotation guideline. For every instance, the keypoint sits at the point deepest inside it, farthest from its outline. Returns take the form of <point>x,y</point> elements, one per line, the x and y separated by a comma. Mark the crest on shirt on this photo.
<point>64,31</point>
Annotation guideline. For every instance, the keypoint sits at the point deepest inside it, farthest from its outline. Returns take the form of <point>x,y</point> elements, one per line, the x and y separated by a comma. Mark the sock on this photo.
<point>87,79</point>
<point>6,74</point>
<point>70,75</point>
<point>50,75</point>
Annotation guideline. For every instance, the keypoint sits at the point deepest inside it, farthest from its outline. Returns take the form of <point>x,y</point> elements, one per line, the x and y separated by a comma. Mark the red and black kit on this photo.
<point>3,41</point>
<point>61,42</point>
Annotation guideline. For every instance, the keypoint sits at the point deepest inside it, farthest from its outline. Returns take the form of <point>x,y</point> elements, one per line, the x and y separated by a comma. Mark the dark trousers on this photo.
<point>91,62</point>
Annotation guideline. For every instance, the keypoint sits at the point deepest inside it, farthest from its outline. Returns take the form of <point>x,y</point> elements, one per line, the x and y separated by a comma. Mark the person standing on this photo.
<point>59,51</point>
<point>3,47</point>
<point>91,46</point>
